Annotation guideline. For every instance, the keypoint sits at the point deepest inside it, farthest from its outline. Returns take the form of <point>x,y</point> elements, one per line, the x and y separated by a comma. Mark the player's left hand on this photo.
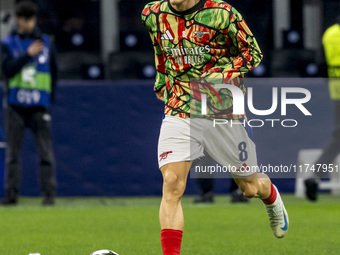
<point>160,94</point>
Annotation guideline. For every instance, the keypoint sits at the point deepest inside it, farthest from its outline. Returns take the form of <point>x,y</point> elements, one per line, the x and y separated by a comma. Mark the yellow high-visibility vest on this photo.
<point>331,44</point>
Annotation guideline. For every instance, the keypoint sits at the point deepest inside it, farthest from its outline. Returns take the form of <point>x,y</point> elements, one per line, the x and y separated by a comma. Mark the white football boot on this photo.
<point>278,216</point>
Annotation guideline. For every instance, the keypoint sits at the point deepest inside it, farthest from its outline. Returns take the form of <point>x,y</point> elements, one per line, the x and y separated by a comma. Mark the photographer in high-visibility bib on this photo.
<point>29,67</point>
<point>331,44</point>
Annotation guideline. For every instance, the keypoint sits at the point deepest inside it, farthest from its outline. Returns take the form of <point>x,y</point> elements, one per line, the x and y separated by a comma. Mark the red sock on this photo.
<point>272,197</point>
<point>171,241</point>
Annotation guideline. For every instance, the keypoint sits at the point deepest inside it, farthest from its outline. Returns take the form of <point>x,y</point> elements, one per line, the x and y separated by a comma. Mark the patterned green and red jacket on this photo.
<point>211,41</point>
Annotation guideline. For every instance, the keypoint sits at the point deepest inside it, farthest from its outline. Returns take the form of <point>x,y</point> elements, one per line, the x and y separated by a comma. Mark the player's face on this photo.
<point>182,5</point>
<point>177,2</point>
<point>26,26</point>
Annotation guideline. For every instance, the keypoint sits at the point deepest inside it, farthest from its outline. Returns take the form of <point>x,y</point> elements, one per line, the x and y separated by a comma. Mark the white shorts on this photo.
<point>230,144</point>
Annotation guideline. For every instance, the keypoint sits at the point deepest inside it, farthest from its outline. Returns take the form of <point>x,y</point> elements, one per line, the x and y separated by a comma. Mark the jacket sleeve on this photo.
<point>244,52</point>
<point>148,19</point>
<point>54,71</point>
<point>160,65</point>
<point>10,65</point>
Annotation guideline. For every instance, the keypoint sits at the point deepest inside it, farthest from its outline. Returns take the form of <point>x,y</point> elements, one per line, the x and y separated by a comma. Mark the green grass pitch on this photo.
<point>129,226</point>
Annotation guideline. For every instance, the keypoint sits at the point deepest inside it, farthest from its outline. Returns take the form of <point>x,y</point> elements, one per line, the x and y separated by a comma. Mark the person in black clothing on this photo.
<point>330,40</point>
<point>206,186</point>
<point>29,67</point>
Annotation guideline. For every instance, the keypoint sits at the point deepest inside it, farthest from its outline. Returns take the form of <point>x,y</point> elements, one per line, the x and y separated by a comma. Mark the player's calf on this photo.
<point>257,185</point>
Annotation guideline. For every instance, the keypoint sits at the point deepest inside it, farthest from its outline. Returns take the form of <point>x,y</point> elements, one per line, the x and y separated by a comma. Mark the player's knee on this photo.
<point>173,186</point>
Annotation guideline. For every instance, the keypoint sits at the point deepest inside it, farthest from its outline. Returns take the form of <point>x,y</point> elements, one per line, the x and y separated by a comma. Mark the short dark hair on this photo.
<point>26,9</point>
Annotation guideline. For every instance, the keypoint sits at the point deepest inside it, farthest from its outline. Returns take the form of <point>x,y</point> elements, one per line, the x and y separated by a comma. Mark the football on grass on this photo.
<point>104,252</point>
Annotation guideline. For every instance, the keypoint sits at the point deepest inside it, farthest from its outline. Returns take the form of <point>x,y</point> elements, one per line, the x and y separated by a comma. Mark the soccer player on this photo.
<point>206,40</point>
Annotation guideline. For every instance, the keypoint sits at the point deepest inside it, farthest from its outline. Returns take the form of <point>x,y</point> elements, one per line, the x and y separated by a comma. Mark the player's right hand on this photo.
<point>160,94</point>
<point>35,48</point>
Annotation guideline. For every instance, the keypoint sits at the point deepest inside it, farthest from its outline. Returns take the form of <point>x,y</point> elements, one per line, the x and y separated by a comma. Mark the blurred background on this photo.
<point>106,117</point>
<point>93,36</point>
